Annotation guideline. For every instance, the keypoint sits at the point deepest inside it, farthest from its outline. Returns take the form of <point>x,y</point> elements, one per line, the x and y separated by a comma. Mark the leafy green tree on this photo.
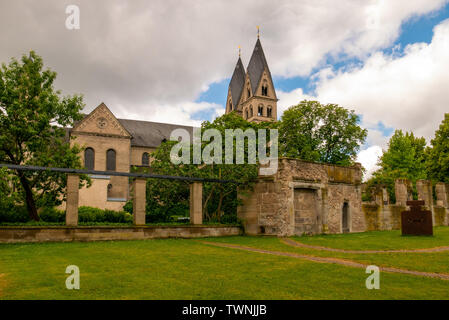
<point>322,133</point>
<point>220,200</point>
<point>438,153</point>
<point>6,198</point>
<point>404,158</point>
<point>32,121</point>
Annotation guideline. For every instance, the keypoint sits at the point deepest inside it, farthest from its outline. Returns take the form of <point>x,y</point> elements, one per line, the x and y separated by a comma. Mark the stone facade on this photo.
<point>304,198</point>
<point>101,131</point>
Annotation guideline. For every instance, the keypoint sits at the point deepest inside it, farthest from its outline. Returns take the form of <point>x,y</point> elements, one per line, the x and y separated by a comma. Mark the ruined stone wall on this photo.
<point>373,216</point>
<point>381,215</point>
<point>338,194</point>
<point>303,197</point>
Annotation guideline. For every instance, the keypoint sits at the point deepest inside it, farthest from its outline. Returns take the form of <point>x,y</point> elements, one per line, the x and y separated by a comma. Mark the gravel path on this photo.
<point>308,246</point>
<point>343,262</point>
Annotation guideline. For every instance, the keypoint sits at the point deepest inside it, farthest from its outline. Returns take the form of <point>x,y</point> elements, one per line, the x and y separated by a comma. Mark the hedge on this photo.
<point>85,215</point>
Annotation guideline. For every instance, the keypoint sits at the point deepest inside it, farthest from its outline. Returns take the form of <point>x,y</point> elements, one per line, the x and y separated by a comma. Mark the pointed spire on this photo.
<point>257,65</point>
<point>237,81</point>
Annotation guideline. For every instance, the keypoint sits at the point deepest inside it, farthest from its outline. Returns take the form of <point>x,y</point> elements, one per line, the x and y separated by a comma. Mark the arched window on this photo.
<point>265,90</point>
<point>246,113</point>
<point>145,159</point>
<point>248,93</point>
<point>269,112</point>
<point>250,111</point>
<point>230,105</point>
<point>110,160</point>
<point>260,110</point>
<point>89,159</point>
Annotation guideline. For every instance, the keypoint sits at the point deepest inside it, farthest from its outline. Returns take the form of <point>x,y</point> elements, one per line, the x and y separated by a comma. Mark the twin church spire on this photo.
<point>251,93</point>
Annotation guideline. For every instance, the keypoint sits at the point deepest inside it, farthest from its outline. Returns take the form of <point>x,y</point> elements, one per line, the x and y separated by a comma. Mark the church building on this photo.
<point>113,144</point>
<point>301,197</point>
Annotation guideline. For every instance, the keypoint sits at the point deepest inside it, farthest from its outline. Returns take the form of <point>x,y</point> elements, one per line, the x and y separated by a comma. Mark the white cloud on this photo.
<point>138,56</point>
<point>291,98</point>
<point>174,113</point>
<point>368,158</point>
<point>406,92</point>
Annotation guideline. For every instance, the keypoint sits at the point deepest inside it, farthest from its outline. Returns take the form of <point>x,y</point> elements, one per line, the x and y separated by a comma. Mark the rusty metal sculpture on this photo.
<point>416,222</point>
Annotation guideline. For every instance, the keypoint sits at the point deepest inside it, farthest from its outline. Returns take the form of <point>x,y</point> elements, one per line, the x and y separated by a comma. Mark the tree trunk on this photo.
<point>31,204</point>
<point>205,213</point>
<point>220,202</point>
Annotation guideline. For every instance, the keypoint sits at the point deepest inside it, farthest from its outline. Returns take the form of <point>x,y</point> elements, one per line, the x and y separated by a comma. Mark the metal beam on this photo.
<point>111,173</point>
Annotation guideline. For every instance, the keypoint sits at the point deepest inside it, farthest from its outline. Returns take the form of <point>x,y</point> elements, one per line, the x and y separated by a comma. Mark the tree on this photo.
<point>32,121</point>
<point>220,199</point>
<point>404,158</point>
<point>438,155</point>
<point>322,133</point>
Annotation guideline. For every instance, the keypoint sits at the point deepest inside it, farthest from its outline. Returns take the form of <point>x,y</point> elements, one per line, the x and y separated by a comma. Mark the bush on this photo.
<point>52,215</point>
<point>159,214</point>
<point>230,219</point>
<point>14,214</point>
<point>90,214</point>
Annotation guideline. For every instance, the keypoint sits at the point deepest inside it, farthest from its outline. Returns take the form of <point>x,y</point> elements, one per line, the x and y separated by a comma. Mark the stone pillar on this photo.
<point>196,203</point>
<point>385,197</point>
<point>378,196</point>
<point>401,192</point>
<point>139,201</point>
<point>71,213</point>
<point>424,188</point>
<point>441,193</point>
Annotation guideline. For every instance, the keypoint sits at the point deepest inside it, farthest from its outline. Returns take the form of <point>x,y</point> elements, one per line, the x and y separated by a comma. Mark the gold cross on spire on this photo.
<point>240,51</point>
<point>258,32</point>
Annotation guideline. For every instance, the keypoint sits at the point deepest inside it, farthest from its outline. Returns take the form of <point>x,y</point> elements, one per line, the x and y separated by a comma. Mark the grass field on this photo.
<point>194,269</point>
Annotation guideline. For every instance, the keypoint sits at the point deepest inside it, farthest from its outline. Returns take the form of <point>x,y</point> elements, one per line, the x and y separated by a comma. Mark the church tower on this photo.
<point>236,87</point>
<point>252,94</point>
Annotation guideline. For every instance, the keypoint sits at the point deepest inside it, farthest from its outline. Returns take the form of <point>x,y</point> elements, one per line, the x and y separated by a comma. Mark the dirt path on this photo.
<point>343,262</point>
<point>295,243</point>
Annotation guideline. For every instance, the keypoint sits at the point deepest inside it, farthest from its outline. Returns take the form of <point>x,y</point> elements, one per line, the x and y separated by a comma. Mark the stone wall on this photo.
<point>373,216</point>
<point>381,215</point>
<point>47,234</point>
<point>136,154</point>
<point>304,198</point>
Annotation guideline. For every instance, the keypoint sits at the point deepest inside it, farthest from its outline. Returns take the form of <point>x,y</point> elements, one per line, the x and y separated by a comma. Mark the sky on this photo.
<point>171,61</point>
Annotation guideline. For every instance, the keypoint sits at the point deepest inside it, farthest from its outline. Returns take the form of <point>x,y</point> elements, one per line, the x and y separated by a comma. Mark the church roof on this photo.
<point>237,82</point>
<point>256,66</point>
<point>150,134</point>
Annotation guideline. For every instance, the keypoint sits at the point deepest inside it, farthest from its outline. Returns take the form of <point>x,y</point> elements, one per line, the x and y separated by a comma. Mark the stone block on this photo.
<point>424,188</point>
<point>441,191</point>
<point>71,216</point>
<point>196,203</point>
<point>139,201</point>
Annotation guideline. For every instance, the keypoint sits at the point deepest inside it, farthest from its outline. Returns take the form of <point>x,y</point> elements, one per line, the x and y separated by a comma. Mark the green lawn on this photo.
<point>379,240</point>
<point>189,269</point>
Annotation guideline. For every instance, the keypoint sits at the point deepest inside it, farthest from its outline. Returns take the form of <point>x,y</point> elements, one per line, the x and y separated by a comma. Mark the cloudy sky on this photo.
<point>170,61</point>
